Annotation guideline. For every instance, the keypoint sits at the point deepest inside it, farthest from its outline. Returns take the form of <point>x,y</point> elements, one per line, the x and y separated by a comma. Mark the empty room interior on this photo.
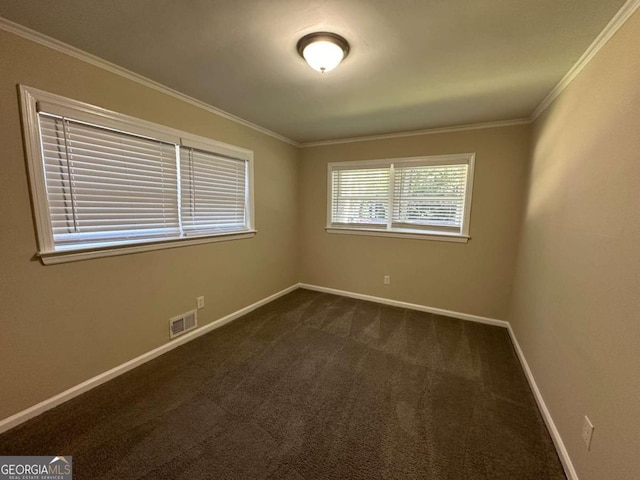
<point>305,239</point>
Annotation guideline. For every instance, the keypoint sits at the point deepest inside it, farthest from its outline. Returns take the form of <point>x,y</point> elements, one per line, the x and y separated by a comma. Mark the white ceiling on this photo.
<point>413,65</point>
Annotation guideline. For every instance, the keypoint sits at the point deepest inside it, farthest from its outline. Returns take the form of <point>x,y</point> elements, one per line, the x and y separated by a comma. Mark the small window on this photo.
<point>102,181</point>
<point>214,192</point>
<point>427,196</point>
<point>106,187</point>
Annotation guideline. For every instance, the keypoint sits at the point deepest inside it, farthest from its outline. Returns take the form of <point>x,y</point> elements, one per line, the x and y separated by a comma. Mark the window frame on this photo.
<point>422,232</point>
<point>29,100</point>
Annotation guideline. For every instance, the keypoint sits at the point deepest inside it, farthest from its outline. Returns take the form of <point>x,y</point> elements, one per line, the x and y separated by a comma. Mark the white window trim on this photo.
<point>29,99</point>
<point>52,258</point>
<point>420,234</point>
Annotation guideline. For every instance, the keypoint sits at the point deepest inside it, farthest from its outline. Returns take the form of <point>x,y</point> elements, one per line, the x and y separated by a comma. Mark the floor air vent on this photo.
<point>183,323</point>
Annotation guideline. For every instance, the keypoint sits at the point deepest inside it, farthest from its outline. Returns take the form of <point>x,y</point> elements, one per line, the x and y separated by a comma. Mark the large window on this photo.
<point>104,183</point>
<point>429,197</point>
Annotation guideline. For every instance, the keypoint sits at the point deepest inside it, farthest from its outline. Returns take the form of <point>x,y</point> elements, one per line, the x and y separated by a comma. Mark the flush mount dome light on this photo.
<point>323,51</point>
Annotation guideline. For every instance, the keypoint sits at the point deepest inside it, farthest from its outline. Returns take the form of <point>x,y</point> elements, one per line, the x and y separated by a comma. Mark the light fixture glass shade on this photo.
<point>323,56</point>
<point>323,51</point>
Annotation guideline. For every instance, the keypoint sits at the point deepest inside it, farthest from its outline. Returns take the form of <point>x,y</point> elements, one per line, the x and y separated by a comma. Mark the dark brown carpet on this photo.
<point>310,386</point>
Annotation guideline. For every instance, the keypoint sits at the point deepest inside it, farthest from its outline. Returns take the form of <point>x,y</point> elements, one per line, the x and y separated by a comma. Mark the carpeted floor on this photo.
<point>310,386</point>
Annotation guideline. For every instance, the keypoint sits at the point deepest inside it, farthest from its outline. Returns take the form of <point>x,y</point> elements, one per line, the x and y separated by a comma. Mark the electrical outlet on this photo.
<point>200,302</point>
<point>387,279</point>
<point>587,432</point>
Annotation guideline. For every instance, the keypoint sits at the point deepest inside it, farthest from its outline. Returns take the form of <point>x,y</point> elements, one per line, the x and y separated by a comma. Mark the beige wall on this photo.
<point>470,278</point>
<point>574,306</point>
<point>62,324</point>
<point>576,309</point>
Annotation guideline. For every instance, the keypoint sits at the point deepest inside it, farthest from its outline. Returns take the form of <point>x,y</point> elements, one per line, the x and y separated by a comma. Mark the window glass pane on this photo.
<point>105,186</point>
<point>430,195</point>
<point>214,192</point>
<point>360,196</point>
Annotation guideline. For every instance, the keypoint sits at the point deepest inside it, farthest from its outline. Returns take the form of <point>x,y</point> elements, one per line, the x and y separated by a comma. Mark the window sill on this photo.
<point>427,235</point>
<point>52,258</point>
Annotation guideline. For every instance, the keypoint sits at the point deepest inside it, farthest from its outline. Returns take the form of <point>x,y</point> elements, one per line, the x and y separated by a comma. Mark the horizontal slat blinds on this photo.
<point>360,197</point>
<point>213,191</point>
<point>104,186</point>
<point>431,196</point>
<point>101,180</point>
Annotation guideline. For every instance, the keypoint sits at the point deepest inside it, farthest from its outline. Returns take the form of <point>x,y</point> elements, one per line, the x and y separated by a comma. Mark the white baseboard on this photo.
<point>56,400</point>
<point>410,306</point>
<point>546,415</point>
<point>87,385</point>
<point>569,470</point>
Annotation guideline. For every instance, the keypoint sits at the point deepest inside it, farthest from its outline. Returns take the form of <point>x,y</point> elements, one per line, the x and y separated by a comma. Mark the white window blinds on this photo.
<point>360,196</point>
<point>103,183</point>
<point>429,196</point>
<point>105,186</point>
<point>214,192</point>
<point>418,195</point>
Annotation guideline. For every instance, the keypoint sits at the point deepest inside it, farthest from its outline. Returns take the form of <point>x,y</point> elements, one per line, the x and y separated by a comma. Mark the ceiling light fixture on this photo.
<point>323,51</point>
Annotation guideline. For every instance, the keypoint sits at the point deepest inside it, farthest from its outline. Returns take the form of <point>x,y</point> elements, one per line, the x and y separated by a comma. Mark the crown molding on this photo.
<point>621,17</point>
<point>24,32</point>
<point>86,57</point>
<point>601,40</point>
<point>416,133</point>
